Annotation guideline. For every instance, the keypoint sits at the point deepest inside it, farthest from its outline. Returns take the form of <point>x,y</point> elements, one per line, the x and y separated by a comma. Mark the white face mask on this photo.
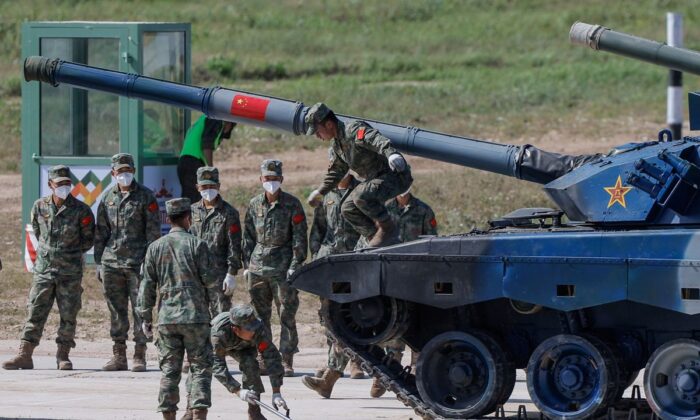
<point>124,179</point>
<point>209,194</point>
<point>271,186</point>
<point>63,191</point>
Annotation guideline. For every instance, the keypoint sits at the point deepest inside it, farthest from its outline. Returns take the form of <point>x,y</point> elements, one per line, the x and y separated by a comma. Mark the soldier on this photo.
<point>358,146</point>
<point>239,334</point>
<point>128,220</point>
<point>274,245</point>
<point>413,218</point>
<point>177,266</point>
<point>218,224</point>
<point>65,229</point>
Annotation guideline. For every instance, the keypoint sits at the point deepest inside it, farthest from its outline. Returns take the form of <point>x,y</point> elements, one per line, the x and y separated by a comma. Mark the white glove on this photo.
<point>229,284</point>
<point>315,198</point>
<point>397,163</point>
<point>289,273</point>
<point>147,329</point>
<point>245,273</point>
<point>278,401</point>
<point>248,396</point>
<point>98,271</point>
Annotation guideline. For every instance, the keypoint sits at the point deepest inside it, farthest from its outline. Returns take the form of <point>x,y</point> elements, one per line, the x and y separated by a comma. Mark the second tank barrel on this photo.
<point>601,38</point>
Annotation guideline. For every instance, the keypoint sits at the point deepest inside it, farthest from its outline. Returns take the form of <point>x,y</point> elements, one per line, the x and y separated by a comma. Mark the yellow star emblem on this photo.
<point>239,101</point>
<point>617,193</point>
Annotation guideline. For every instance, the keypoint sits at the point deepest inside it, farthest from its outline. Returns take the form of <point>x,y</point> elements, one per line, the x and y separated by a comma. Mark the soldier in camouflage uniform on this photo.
<point>358,146</point>
<point>240,334</point>
<point>218,224</point>
<point>128,220</point>
<point>64,227</point>
<point>176,269</point>
<point>274,245</point>
<point>413,218</point>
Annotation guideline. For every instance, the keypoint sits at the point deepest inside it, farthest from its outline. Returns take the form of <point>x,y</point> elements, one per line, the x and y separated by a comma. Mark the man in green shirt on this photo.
<point>201,140</point>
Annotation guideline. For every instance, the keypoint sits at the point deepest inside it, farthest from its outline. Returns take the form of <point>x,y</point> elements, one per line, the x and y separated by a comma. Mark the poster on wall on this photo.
<point>164,183</point>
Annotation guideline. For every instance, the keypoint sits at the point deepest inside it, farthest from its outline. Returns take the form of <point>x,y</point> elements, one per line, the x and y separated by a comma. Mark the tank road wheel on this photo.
<point>462,375</point>
<point>572,377</point>
<point>672,380</point>
<point>368,321</point>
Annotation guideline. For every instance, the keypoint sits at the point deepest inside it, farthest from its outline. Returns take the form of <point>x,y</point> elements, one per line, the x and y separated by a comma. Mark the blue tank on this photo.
<point>582,297</point>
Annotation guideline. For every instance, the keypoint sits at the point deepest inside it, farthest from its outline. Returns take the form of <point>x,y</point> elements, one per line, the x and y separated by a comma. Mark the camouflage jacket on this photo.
<point>414,220</point>
<point>226,343</point>
<point>126,225</point>
<point>220,229</point>
<point>274,237</point>
<point>330,232</point>
<point>359,147</point>
<point>177,267</point>
<point>63,235</point>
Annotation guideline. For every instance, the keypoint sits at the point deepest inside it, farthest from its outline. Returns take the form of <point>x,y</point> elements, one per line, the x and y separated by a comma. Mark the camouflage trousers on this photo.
<point>121,285</point>
<point>250,370</point>
<point>365,204</point>
<point>222,303</point>
<point>266,289</point>
<point>67,292</point>
<point>172,342</point>
<point>337,360</point>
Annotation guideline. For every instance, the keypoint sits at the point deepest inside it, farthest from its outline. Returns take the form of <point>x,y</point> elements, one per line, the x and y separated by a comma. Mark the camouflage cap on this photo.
<point>122,160</point>
<point>207,175</point>
<point>271,167</point>
<point>243,316</point>
<point>59,173</point>
<point>317,113</point>
<point>177,206</point>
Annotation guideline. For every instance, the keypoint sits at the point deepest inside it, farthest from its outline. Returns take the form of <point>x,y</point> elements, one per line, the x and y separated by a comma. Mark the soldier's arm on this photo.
<point>336,171</point>
<point>271,356</point>
<point>429,222</point>
<point>35,220</point>
<point>318,229</point>
<point>102,231</point>
<point>299,240</point>
<point>371,139</point>
<point>249,236</point>
<point>235,238</point>
<point>210,283</point>
<point>220,369</point>
<point>152,220</point>
<point>87,229</point>
<point>147,291</point>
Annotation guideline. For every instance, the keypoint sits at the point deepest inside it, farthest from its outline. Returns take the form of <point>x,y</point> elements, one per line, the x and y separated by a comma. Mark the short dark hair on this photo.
<point>330,117</point>
<point>177,219</point>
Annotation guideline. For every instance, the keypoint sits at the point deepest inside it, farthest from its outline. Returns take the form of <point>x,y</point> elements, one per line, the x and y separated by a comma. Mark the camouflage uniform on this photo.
<point>274,242</point>
<point>227,343</point>
<point>332,234</point>
<point>177,269</point>
<point>126,225</point>
<point>363,149</point>
<point>220,229</point>
<point>413,220</point>
<point>64,235</point>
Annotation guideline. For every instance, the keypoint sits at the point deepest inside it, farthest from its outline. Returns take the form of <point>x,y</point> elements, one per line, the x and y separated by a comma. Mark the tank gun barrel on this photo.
<point>601,38</point>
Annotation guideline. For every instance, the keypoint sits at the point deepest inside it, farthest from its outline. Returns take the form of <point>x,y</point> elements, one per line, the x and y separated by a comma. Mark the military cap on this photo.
<point>207,175</point>
<point>122,160</point>
<point>243,316</point>
<point>317,113</point>
<point>59,173</point>
<point>177,206</point>
<point>271,167</point>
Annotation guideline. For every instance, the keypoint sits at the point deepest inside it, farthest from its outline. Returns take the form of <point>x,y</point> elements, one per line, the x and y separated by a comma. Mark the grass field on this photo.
<point>497,69</point>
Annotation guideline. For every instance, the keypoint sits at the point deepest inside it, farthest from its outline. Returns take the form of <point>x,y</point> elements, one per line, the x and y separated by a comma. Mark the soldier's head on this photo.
<point>271,175</point>
<point>244,322</point>
<point>60,181</point>
<point>179,212</point>
<point>123,169</point>
<point>208,182</point>
<point>321,121</point>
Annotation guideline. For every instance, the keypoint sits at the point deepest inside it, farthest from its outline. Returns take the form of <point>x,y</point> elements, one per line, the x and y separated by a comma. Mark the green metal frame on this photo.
<point>130,36</point>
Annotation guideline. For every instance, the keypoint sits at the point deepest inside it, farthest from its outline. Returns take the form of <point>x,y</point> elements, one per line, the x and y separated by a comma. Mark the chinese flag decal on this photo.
<point>86,220</point>
<point>249,107</point>
<point>298,218</point>
<point>433,222</point>
<point>235,228</point>
<point>262,346</point>
<point>153,207</point>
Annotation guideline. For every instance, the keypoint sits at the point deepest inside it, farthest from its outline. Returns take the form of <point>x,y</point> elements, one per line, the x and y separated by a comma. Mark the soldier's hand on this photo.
<point>229,284</point>
<point>278,401</point>
<point>397,163</point>
<point>98,272</point>
<point>248,396</point>
<point>315,198</point>
<point>290,272</point>
<point>147,329</point>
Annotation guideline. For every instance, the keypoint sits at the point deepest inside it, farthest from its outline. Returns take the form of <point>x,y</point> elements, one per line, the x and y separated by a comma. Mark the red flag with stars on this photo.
<point>249,107</point>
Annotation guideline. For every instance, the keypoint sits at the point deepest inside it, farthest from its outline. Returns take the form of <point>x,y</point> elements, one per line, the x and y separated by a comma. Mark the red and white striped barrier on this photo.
<point>30,246</point>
